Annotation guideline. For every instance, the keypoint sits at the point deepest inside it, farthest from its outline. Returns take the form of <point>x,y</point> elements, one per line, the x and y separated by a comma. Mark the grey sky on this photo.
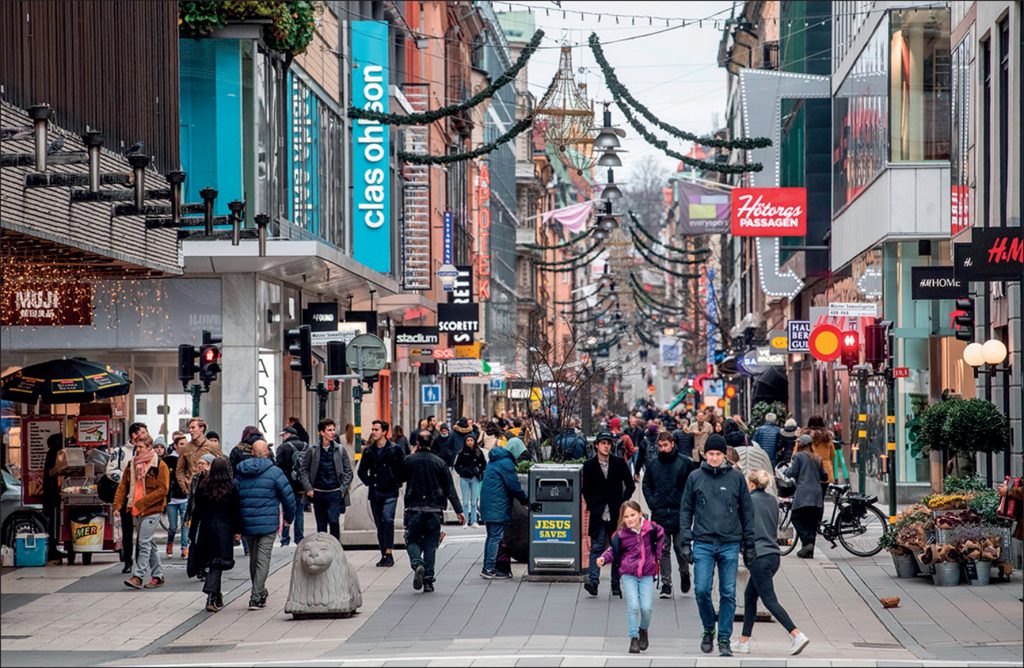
<point>674,73</point>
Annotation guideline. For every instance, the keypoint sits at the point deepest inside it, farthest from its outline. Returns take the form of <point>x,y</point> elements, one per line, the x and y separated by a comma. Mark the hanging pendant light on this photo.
<point>608,136</point>
<point>610,158</point>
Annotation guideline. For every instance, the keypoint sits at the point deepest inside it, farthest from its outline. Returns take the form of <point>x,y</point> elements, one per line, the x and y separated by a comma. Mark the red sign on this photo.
<point>444,353</point>
<point>824,343</point>
<point>483,222</point>
<point>901,372</point>
<point>769,212</point>
<point>959,209</point>
<point>53,305</point>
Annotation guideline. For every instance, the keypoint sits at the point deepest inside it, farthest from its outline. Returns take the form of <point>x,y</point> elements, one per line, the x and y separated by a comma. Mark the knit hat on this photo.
<point>516,447</point>
<point>615,423</point>
<point>716,442</point>
<point>208,458</point>
<point>790,428</point>
<point>212,434</point>
<point>652,428</point>
<point>806,439</point>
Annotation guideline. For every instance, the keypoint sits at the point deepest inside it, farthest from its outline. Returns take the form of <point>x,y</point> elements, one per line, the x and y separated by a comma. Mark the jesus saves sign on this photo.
<point>769,212</point>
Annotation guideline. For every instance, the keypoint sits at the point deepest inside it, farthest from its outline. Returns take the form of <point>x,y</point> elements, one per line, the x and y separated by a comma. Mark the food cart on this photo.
<point>88,524</point>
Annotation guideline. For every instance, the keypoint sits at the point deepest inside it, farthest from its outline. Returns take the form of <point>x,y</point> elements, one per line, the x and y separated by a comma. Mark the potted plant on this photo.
<point>932,435</point>
<point>979,546</point>
<point>976,426</point>
<point>945,558</point>
<point>908,534</point>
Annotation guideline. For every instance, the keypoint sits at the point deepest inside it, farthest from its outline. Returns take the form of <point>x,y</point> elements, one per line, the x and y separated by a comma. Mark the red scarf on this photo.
<point>141,463</point>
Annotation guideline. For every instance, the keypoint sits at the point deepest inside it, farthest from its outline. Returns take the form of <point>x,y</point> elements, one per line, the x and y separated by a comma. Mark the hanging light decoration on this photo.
<point>610,192</point>
<point>566,117</point>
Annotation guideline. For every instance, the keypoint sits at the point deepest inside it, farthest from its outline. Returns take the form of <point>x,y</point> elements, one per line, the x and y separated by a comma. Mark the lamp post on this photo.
<point>992,353</point>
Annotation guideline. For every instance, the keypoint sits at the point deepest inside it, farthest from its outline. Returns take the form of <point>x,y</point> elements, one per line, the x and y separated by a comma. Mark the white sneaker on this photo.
<point>740,647</point>
<point>797,644</point>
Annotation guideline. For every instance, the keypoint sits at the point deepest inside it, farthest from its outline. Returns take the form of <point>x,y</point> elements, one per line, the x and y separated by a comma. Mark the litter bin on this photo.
<point>555,519</point>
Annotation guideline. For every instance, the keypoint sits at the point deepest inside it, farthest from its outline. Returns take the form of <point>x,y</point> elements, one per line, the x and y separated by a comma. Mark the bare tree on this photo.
<point>644,195</point>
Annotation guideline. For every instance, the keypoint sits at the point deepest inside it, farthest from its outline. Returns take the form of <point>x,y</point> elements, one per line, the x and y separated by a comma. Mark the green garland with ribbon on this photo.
<point>616,87</point>
<point>653,239</point>
<point>607,300</point>
<point>427,159</point>
<point>572,260</point>
<point>654,263</point>
<point>658,306</point>
<point>637,287</point>
<point>565,244</point>
<point>640,245</point>
<point>425,117</point>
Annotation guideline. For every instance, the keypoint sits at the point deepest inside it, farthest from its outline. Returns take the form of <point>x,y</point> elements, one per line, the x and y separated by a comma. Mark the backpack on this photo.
<point>295,475</point>
<point>617,554</point>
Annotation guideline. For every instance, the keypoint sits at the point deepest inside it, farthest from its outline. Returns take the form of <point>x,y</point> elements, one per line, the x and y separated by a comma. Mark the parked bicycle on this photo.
<point>856,523</point>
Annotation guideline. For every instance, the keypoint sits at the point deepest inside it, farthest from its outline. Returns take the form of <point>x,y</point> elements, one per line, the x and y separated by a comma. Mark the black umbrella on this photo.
<point>64,381</point>
<point>771,385</point>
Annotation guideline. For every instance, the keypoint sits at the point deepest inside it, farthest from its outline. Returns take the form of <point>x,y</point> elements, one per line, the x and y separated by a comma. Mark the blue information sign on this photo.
<point>430,394</point>
<point>449,236</point>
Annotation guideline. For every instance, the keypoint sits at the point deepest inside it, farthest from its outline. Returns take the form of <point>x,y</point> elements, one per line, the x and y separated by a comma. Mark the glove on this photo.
<point>687,553</point>
<point>749,554</point>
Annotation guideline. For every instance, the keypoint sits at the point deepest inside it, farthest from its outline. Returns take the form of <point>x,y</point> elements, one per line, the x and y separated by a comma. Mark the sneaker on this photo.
<point>797,644</point>
<point>644,640</point>
<point>154,583</point>
<point>134,582</point>
<point>806,552</point>
<point>666,592</point>
<point>634,646</point>
<point>724,648</point>
<point>502,575</point>
<point>285,542</point>
<point>380,562</point>
<point>707,641</point>
<point>417,577</point>
<point>170,550</point>
<point>428,587</point>
<point>741,647</point>
<point>684,582</point>
<point>591,587</point>
<point>617,591</point>
<point>261,602</point>
<point>184,553</point>
<point>388,561</point>
<point>487,575</point>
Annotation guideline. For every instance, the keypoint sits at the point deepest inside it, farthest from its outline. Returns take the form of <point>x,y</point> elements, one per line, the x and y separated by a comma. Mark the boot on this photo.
<point>806,552</point>
<point>644,642</point>
<point>220,601</point>
<point>211,603</point>
<point>634,646</point>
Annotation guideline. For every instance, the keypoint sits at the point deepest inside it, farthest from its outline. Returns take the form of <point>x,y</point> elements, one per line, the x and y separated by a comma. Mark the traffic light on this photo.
<point>849,344</point>
<point>300,347</point>
<point>186,364</point>
<point>874,345</point>
<point>964,319</point>
<point>209,358</point>
<point>336,364</point>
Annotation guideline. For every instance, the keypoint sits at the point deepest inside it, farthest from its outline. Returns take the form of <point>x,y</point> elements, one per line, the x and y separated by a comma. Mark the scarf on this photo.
<point>141,463</point>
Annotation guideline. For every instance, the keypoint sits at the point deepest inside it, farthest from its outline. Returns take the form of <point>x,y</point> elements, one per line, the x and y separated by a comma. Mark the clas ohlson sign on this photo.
<point>371,187</point>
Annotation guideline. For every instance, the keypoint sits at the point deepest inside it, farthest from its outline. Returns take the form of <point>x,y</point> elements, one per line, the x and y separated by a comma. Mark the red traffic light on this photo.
<point>850,349</point>
<point>210,355</point>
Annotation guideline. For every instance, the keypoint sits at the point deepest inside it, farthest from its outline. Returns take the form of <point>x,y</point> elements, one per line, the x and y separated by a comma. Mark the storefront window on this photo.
<point>961,145</point>
<point>859,123</point>
<point>919,79</point>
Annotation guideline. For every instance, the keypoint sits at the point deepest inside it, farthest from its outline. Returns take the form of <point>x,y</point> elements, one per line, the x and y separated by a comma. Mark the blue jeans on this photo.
<point>470,498</point>
<point>299,523</point>
<point>598,544</point>
<point>175,518</point>
<point>495,532</point>
<point>726,557</point>
<point>422,536</point>
<point>383,510</point>
<point>639,595</point>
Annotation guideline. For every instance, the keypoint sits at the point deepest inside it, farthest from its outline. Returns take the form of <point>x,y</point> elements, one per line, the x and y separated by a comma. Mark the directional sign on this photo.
<point>430,394</point>
<point>366,354</point>
<point>496,384</point>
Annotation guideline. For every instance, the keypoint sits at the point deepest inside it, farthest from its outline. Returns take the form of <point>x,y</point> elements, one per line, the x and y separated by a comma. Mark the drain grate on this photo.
<point>194,649</point>
<point>877,645</point>
<point>15,637</point>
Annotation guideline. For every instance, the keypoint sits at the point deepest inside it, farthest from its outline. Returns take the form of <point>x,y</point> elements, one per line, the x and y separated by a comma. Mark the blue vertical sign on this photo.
<point>712,315</point>
<point>449,233</point>
<point>371,182</point>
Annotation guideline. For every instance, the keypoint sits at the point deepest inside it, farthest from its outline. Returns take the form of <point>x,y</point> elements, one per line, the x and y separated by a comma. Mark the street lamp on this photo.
<point>993,353</point>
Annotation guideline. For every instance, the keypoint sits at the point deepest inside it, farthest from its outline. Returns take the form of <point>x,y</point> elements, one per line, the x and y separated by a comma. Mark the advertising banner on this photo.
<point>769,212</point>
<point>936,283</point>
<point>92,430</point>
<point>994,254</point>
<point>458,318</point>
<point>417,336</point>
<point>371,220</point>
<point>798,334</point>
<point>34,432</point>
<point>321,316</point>
<point>703,210</point>
<point>461,293</point>
<point>53,305</point>
<point>483,225</point>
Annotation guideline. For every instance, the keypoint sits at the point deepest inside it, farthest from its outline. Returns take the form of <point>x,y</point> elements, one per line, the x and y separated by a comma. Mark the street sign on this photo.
<point>798,332</point>
<point>468,351</point>
<point>853,309</point>
<point>448,271</point>
<point>430,394</point>
<point>824,343</point>
<point>901,372</point>
<point>496,384</point>
<point>345,332</point>
<point>714,386</point>
<point>464,367</point>
<point>366,354</point>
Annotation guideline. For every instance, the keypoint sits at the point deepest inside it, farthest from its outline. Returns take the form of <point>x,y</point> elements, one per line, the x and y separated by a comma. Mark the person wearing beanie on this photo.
<point>786,443</point>
<point>607,482</point>
<point>716,522</point>
<point>767,436</point>
<point>625,446</point>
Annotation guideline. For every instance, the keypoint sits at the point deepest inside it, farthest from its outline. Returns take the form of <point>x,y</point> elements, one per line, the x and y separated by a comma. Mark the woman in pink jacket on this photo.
<point>636,547</point>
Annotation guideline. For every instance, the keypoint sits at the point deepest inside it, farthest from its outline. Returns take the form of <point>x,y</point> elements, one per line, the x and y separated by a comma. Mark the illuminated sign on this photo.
<point>483,222</point>
<point>769,212</point>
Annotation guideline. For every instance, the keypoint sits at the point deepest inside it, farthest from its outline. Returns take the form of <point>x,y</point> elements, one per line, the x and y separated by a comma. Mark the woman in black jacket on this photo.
<point>808,502</point>
<point>216,524</point>
<point>470,464</point>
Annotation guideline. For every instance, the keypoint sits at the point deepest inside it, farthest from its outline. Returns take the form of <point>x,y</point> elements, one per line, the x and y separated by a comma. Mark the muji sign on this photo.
<point>769,212</point>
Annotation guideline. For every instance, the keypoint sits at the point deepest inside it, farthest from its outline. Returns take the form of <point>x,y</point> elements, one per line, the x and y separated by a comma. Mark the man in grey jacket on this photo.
<point>715,519</point>
<point>326,474</point>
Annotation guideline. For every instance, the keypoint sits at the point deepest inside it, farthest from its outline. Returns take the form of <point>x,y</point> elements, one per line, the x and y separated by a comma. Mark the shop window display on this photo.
<point>919,91</point>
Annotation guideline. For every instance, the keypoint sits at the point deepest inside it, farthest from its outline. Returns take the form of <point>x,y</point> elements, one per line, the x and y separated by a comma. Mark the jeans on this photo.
<point>598,544</point>
<point>127,537</point>
<point>706,557</point>
<point>327,509</point>
<point>383,511</point>
<point>422,535</point>
<point>805,522</point>
<point>211,585</point>
<point>259,561</point>
<point>495,532</point>
<point>470,498</point>
<point>176,517</point>
<point>147,557</point>
<point>299,523</point>
<point>676,541</point>
<point>760,585</point>
<point>639,595</point>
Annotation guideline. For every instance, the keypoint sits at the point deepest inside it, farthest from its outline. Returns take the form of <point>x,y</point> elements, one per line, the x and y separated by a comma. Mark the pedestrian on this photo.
<point>53,464</point>
<point>764,566</point>
<point>469,465</point>
<point>399,439</point>
<point>326,476</point>
<point>289,460</point>
<point>636,548</point>
<point>350,437</point>
<point>121,458</point>
<point>265,495</point>
<point>492,435</point>
<point>824,447</point>
<point>808,472</point>
<point>243,450</point>
<point>701,429</point>
<point>715,520</point>
<point>215,523</point>
<point>752,457</point>
<point>144,485</point>
<point>685,441</point>
<point>428,491</point>
<point>663,486</point>
<point>607,483</point>
<point>786,443</point>
<point>199,444</point>
<point>520,453</point>
<point>380,469</point>
<point>177,501</point>
<point>460,430</point>
<point>767,436</point>
<point>570,444</point>
<point>202,468</point>
<point>300,431</point>
<point>500,487</point>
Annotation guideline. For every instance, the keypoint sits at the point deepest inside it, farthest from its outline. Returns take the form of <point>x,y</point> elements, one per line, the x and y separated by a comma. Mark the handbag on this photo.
<point>1009,507</point>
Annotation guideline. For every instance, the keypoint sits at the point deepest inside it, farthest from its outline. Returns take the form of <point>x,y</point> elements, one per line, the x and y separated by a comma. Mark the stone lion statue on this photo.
<point>322,583</point>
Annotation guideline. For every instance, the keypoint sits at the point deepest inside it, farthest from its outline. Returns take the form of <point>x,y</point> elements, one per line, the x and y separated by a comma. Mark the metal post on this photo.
<point>357,419</point>
<point>890,437</point>
<point>197,392</point>
<point>262,220</point>
<point>1007,461</point>
<point>93,140</point>
<point>40,115</point>
<point>139,164</point>
<point>860,451</point>
<point>321,399</point>
<point>988,380</point>
<point>237,207</point>
<point>175,180</point>
<point>208,195</point>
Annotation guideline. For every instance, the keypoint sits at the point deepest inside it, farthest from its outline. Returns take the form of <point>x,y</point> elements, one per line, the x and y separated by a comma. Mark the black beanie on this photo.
<point>716,442</point>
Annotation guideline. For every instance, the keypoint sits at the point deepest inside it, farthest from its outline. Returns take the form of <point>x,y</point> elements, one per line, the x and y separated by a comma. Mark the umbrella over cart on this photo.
<point>64,381</point>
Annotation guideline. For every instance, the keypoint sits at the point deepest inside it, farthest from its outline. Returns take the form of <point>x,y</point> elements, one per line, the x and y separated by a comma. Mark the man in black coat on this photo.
<point>607,482</point>
<point>663,490</point>
<point>380,469</point>
<point>289,459</point>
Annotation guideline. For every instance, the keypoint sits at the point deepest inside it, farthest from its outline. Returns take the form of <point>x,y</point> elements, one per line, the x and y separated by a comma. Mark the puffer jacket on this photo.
<point>263,488</point>
<point>499,487</point>
<point>634,549</point>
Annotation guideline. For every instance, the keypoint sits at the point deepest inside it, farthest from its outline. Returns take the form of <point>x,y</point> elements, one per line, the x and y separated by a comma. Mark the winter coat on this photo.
<point>428,483</point>
<point>456,441</point>
<point>784,447</point>
<point>212,531</point>
<point>1018,494</point>
<point>766,522</point>
<point>500,486</point>
<point>767,436</point>
<point>808,476</point>
<point>716,507</point>
<point>158,482</point>
<point>752,458</point>
<point>634,549</point>
<point>289,454</point>
<point>380,469</point>
<point>470,463</point>
<point>239,453</point>
<point>601,493</point>
<point>684,441</point>
<point>263,489</point>
<point>188,459</point>
<point>826,449</point>
<point>175,491</point>
<point>571,444</point>
<point>663,487</point>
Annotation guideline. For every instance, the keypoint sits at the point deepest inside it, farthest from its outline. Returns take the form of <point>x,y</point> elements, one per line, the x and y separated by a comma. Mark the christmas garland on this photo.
<point>565,244</point>
<point>616,87</point>
<point>425,117</point>
<point>584,253</point>
<point>663,308</point>
<point>604,301</point>
<point>638,244</point>
<point>570,302</point>
<point>579,263</point>
<point>653,239</point>
<point>644,337</point>
<point>427,159</point>
<point>593,318</point>
<point>654,263</point>
<point>638,288</point>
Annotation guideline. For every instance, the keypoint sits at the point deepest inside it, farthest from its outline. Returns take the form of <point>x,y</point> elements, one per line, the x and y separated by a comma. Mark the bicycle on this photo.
<point>853,523</point>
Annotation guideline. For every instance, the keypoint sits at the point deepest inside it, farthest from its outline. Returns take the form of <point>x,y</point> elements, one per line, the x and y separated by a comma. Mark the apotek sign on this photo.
<point>483,222</point>
<point>769,212</point>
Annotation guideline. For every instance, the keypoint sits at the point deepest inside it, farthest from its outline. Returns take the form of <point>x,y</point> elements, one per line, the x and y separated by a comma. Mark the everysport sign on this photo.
<point>769,212</point>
